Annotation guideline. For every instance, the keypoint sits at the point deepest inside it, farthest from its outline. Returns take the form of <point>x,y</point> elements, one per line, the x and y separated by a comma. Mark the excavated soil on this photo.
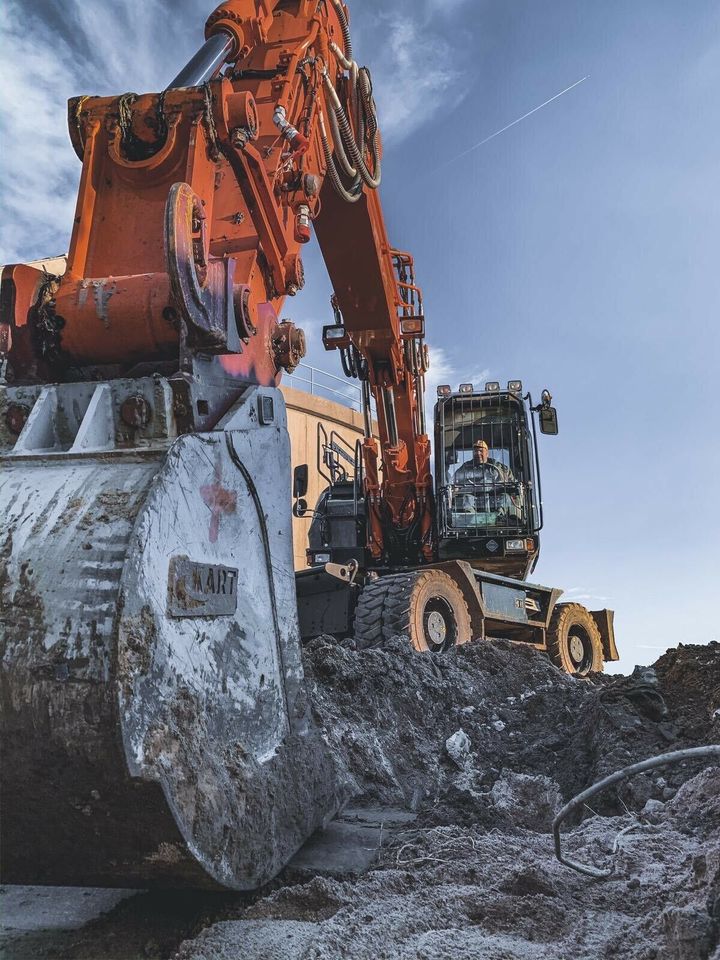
<point>483,744</point>
<point>388,713</point>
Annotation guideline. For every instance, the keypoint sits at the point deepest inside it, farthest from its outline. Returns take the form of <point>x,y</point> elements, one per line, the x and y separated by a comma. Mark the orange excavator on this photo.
<point>154,716</point>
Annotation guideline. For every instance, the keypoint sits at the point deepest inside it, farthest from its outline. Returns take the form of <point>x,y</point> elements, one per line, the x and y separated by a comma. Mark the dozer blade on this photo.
<point>154,720</point>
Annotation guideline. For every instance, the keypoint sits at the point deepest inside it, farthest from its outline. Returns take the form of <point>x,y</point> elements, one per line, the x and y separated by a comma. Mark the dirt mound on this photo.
<point>690,679</point>
<point>484,743</point>
<point>388,715</point>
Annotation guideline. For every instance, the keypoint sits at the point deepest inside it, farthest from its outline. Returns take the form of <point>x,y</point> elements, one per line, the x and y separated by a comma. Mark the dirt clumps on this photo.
<point>484,743</point>
<point>388,715</point>
<point>467,892</point>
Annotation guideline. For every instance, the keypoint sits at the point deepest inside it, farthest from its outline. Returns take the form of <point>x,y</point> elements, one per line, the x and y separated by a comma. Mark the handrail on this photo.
<point>351,396</point>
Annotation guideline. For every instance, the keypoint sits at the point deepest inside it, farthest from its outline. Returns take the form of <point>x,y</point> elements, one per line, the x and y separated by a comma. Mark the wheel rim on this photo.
<point>580,650</point>
<point>439,625</point>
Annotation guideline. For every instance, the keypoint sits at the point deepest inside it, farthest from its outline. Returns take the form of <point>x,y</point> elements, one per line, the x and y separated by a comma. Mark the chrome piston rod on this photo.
<point>207,62</point>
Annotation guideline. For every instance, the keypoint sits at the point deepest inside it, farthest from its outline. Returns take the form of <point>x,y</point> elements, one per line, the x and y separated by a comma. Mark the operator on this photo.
<point>490,475</point>
<point>482,468</point>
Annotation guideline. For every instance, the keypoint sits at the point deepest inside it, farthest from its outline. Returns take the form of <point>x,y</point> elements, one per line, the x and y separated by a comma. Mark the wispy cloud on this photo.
<point>585,595</point>
<point>413,71</point>
<point>446,8</point>
<point>98,48</point>
<point>39,169</point>
<point>419,62</point>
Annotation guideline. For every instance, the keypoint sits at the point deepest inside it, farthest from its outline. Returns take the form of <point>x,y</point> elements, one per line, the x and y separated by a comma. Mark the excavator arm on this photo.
<point>193,208</point>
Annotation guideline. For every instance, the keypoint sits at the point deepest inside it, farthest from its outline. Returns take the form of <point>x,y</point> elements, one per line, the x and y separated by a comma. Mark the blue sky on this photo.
<point>577,251</point>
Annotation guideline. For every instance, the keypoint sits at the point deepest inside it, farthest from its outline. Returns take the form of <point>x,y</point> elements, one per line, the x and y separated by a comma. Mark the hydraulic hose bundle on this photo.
<point>346,156</point>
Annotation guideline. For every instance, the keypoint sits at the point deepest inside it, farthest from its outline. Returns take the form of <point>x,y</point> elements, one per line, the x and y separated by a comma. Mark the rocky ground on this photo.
<point>483,744</point>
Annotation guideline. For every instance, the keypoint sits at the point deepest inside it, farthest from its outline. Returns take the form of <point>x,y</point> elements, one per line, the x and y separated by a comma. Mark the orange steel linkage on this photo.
<point>193,208</point>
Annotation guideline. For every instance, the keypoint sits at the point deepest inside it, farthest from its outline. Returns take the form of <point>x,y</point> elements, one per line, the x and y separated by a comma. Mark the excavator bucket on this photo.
<point>155,727</point>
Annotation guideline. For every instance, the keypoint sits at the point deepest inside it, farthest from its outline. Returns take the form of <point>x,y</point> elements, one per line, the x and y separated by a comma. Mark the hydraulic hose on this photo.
<point>367,102</point>
<point>340,154</point>
<point>344,62</point>
<point>347,150</point>
<point>345,27</point>
<point>354,71</point>
<point>372,181</point>
<point>691,753</point>
<point>360,107</point>
<point>332,169</point>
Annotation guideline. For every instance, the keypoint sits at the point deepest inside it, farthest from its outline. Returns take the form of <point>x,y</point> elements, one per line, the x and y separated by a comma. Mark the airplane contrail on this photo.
<point>497,133</point>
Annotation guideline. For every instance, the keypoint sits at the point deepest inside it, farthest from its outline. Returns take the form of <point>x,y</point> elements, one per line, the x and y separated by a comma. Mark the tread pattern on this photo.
<point>385,608</point>
<point>396,619</point>
<point>367,625</point>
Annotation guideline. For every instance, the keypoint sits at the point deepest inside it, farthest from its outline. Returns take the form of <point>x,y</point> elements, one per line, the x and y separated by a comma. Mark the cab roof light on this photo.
<point>466,388</point>
<point>444,390</point>
<point>515,386</point>
<point>492,387</point>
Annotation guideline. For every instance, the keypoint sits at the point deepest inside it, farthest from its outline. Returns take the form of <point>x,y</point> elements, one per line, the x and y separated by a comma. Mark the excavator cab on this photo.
<point>489,509</point>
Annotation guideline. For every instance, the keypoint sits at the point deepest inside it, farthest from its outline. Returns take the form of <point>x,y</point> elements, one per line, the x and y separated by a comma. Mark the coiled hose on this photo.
<point>332,169</point>
<point>347,150</point>
<point>347,138</point>
<point>345,27</point>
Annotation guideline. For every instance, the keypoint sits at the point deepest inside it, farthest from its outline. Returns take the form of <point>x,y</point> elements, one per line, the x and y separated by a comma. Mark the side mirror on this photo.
<point>300,508</point>
<point>300,481</point>
<point>548,420</point>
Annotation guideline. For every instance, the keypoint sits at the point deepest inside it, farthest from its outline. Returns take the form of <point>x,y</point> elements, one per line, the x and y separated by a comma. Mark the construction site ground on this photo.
<point>458,763</point>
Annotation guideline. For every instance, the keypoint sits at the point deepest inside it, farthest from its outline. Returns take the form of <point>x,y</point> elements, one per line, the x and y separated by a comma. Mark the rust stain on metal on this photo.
<point>220,501</point>
<point>16,414</point>
<point>136,412</point>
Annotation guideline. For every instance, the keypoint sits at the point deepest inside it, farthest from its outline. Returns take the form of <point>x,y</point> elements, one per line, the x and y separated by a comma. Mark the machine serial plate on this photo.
<point>201,589</point>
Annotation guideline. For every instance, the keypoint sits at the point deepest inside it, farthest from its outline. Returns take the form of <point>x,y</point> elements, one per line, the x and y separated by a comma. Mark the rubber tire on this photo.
<point>567,616</point>
<point>368,621</point>
<point>408,596</point>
